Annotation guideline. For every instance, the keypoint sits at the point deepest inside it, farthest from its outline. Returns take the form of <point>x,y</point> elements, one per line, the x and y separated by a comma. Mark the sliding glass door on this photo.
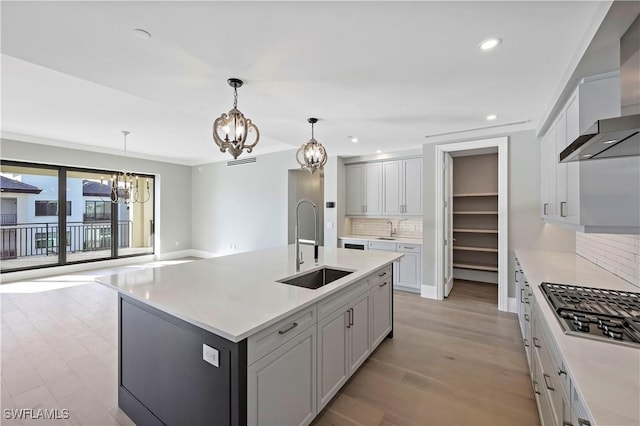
<point>40,200</point>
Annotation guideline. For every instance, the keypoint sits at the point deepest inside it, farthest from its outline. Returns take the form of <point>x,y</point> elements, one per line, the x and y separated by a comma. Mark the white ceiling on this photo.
<point>387,72</point>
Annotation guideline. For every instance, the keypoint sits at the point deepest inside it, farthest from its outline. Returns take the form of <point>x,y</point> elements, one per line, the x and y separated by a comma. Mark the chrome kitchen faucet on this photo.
<point>299,241</point>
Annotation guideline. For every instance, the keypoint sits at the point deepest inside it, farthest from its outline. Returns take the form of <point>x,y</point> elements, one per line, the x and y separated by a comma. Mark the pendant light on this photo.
<point>125,187</point>
<point>312,155</point>
<point>230,130</point>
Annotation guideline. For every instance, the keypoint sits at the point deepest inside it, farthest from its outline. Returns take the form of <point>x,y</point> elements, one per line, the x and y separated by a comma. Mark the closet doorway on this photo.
<point>471,205</point>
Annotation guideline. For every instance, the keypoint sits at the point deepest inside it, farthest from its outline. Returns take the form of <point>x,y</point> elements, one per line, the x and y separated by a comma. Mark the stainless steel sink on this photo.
<point>385,238</point>
<point>316,279</point>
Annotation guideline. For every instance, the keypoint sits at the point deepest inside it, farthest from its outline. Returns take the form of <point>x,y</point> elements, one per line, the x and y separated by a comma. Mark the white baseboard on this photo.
<point>513,305</point>
<point>175,255</point>
<point>429,291</point>
<point>204,254</point>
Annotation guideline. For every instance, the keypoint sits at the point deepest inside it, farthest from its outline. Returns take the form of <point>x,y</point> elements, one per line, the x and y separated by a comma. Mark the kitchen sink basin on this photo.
<point>316,279</point>
<point>385,238</point>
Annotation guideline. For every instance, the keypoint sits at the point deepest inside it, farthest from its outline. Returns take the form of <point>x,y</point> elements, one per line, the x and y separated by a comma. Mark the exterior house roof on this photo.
<point>92,188</point>
<point>15,186</point>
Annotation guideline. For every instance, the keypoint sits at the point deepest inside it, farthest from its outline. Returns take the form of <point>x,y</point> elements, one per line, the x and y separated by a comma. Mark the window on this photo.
<point>97,210</point>
<point>49,241</point>
<point>50,208</point>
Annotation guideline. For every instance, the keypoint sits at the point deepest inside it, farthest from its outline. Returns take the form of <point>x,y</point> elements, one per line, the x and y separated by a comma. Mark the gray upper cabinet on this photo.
<point>364,189</point>
<point>589,196</point>
<point>389,188</point>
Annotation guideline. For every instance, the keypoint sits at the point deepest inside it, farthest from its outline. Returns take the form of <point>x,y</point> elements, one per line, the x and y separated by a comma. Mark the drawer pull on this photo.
<point>382,274</point>
<point>561,372</point>
<point>526,343</point>
<point>535,342</point>
<point>408,248</point>
<point>526,317</point>
<point>522,295</point>
<point>566,423</point>
<point>546,382</point>
<point>288,329</point>
<point>583,422</point>
<point>383,284</point>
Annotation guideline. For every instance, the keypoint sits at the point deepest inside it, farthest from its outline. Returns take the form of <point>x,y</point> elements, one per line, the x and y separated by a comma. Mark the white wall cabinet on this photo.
<point>364,189</point>
<point>402,187</point>
<point>277,397</point>
<point>389,188</point>
<point>588,196</point>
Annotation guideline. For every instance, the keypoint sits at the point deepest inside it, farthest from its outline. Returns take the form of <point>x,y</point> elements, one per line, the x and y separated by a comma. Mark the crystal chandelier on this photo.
<point>125,187</point>
<point>234,125</point>
<point>312,155</point>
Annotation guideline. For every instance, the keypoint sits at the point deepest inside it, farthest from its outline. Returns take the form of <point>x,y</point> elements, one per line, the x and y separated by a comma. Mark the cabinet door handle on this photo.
<point>535,342</point>
<point>563,204</point>
<point>526,317</point>
<point>546,382</point>
<point>583,422</point>
<point>522,295</point>
<point>382,274</point>
<point>383,284</point>
<point>561,372</point>
<point>535,388</point>
<point>544,210</point>
<point>352,315</point>
<point>349,318</point>
<point>286,330</point>
<point>566,423</point>
<point>526,342</point>
<point>526,300</point>
<point>515,275</point>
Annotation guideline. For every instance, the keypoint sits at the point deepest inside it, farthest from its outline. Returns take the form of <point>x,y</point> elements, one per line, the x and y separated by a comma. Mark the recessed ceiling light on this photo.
<point>378,152</point>
<point>142,34</point>
<point>610,141</point>
<point>587,155</point>
<point>489,43</point>
<point>491,117</point>
<point>353,139</point>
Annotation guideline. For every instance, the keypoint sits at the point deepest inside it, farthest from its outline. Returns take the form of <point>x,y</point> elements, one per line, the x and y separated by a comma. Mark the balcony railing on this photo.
<point>41,239</point>
<point>8,219</point>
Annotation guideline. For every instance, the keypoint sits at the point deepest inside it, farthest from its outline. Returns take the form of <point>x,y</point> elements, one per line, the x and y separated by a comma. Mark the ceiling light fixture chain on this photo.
<point>312,156</point>
<point>231,130</point>
<point>124,187</point>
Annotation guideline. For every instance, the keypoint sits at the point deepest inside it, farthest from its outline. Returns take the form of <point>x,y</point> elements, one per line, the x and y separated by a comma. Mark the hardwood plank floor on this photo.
<point>456,362</point>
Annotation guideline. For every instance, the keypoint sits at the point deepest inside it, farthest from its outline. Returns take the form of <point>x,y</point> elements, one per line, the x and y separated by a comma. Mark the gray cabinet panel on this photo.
<point>333,364</point>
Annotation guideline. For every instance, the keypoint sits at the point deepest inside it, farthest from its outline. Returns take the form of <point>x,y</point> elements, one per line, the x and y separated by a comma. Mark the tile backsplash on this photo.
<point>618,254</point>
<point>408,228</point>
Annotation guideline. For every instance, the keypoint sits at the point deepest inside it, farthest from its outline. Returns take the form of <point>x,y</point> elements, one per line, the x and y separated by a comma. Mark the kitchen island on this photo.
<point>221,341</point>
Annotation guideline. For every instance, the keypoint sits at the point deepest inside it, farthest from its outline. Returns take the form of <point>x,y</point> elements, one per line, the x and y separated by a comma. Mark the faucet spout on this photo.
<point>297,234</point>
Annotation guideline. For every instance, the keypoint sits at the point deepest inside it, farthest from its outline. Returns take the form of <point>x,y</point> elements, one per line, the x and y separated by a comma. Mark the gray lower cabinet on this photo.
<point>557,398</point>
<point>381,311</point>
<point>343,345</point>
<point>281,387</point>
<point>333,359</point>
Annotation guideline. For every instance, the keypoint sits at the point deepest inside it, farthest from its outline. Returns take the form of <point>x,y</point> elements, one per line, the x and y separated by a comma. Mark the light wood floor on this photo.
<point>457,362</point>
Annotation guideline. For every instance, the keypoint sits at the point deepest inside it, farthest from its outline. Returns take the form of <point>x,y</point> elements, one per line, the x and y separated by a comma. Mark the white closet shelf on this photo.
<point>476,266</point>
<point>476,231</point>
<point>477,194</point>
<point>483,249</point>
<point>494,212</point>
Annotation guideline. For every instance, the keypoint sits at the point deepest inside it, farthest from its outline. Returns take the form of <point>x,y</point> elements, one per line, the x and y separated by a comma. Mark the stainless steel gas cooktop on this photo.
<point>608,315</point>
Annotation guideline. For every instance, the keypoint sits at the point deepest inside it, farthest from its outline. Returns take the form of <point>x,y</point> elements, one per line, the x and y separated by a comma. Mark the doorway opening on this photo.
<point>471,229</point>
<point>303,184</point>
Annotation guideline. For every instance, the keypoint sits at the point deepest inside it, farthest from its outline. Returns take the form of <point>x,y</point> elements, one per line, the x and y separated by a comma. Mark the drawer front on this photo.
<point>382,245</point>
<point>380,276</point>
<point>409,248</point>
<point>265,341</point>
<point>329,305</point>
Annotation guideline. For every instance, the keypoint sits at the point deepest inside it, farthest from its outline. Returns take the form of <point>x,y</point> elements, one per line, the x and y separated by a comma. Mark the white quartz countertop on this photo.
<point>236,296</point>
<point>606,375</point>
<point>377,238</point>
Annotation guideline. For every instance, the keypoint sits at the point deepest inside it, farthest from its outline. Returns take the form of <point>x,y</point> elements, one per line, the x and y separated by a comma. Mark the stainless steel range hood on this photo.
<point>620,136</point>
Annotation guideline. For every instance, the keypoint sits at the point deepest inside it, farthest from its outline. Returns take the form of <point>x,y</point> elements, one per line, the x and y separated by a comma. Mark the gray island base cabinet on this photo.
<point>282,375</point>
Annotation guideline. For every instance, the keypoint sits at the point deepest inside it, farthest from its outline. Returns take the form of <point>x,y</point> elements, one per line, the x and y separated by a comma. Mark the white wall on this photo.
<point>335,191</point>
<point>241,208</point>
<point>526,229</point>
<point>173,215</point>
